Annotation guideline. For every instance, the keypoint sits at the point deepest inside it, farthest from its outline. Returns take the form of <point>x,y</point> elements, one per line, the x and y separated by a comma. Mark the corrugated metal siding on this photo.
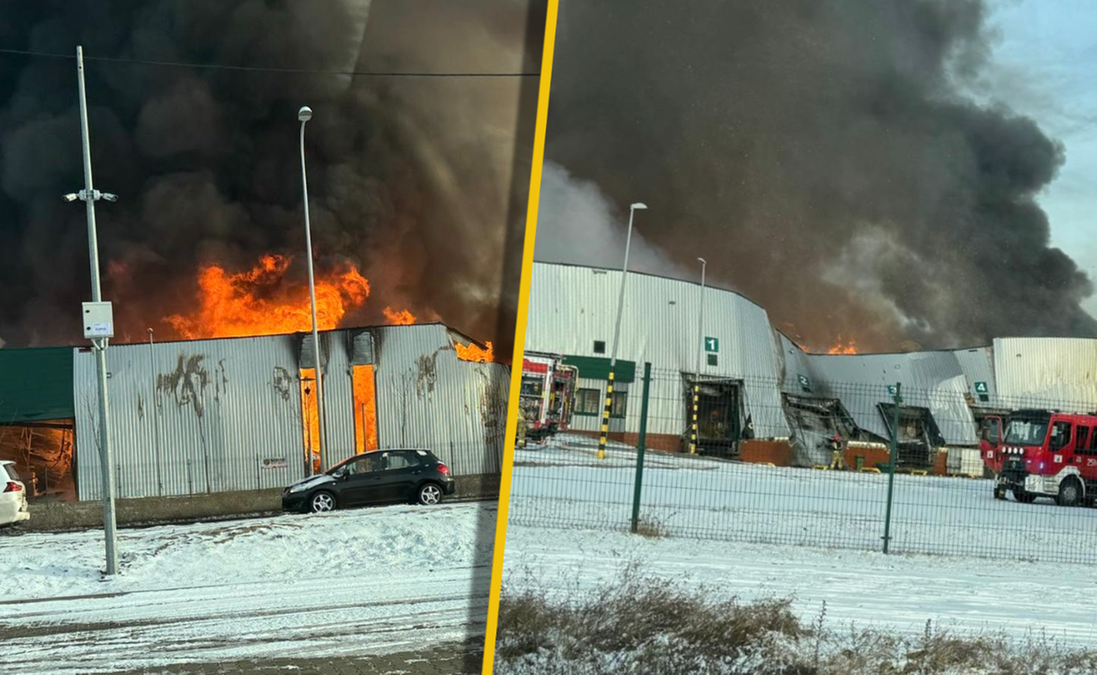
<point>571,307</point>
<point>978,366</point>
<point>427,397</point>
<point>192,417</point>
<point>203,416</point>
<point>338,396</point>
<point>1056,372</point>
<point>931,380</point>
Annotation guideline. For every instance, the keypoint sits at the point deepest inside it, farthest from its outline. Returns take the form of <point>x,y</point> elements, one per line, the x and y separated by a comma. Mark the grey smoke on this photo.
<point>827,159</point>
<point>578,224</point>
<point>411,179</point>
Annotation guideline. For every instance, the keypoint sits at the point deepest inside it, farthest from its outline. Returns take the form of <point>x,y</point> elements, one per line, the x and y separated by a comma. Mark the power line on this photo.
<point>261,69</point>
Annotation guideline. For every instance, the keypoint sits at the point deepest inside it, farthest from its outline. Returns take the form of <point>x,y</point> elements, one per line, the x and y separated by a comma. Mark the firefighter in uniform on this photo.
<point>837,460</point>
<point>521,428</point>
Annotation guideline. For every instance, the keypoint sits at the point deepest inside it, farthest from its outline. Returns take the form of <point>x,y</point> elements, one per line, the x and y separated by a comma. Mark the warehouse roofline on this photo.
<point>343,329</point>
<point>785,335</point>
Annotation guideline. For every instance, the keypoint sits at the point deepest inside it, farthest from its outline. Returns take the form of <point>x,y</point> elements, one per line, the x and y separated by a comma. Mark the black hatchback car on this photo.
<point>376,477</point>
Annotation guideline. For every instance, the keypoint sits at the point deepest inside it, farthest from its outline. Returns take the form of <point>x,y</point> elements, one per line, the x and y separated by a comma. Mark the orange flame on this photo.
<point>310,410</point>
<point>843,347</point>
<point>399,318</point>
<point>261,302</point>
<point>474,353</point>
<point>365,408</point>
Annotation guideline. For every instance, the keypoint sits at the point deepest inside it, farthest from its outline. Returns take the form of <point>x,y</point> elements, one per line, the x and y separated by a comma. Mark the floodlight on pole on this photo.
<point>304,115</point>
<point>603,435</point>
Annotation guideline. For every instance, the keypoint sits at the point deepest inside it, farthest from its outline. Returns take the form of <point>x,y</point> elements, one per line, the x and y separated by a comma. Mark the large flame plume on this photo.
<point>263,301</point>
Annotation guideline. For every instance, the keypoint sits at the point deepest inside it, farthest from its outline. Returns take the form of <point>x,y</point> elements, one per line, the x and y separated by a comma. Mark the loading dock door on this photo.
<point>719,423</point>
<point>918,435</point>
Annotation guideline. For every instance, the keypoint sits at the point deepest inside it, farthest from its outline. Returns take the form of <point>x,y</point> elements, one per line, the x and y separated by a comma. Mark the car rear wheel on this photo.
<point>430,494</point>
<point>1070,492</point>
<point>322,502</point>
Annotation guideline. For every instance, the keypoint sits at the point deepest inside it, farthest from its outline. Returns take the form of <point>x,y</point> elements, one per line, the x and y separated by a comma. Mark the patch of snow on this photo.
<point>338,584</point>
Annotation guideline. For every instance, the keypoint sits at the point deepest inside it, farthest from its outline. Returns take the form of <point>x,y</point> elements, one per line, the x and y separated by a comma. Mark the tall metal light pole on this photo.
<point>89,195</point>
<point>616,335</point>
<point>700,348</point>
<point>305,114</point>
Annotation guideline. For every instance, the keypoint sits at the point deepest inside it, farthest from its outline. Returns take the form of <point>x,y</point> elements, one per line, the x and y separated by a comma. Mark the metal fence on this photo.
<point>924,489</point>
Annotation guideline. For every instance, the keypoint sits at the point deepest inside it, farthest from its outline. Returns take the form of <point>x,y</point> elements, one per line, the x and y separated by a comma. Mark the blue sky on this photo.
<point>1044,64</point>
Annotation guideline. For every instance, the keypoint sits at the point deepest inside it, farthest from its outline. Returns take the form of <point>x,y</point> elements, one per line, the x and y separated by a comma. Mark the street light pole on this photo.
<point>616,336</point>
<point>89,195</point>
<point>700,348</point>
<point>304,115</point>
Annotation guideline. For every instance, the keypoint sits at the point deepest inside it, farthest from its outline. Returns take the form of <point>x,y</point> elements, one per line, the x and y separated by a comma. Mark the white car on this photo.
<point>13,495</point>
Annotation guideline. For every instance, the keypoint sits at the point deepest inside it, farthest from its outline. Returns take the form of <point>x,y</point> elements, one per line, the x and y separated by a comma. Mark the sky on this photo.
<point>1043,64</point>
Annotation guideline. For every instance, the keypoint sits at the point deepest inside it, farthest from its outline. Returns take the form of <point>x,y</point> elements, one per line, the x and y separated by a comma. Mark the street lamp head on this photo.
<point>702,260</point>
<point>304,114</point>
<point>639,205</point>
<point>110,197</point>
<point>71,197</point>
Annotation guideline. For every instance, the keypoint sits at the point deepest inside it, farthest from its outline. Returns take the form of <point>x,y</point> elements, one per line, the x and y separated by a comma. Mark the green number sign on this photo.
<point>712,344</point>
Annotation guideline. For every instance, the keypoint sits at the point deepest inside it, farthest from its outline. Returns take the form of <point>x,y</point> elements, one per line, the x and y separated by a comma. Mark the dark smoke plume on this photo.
<point>414,180</point>
<point>825,160</point>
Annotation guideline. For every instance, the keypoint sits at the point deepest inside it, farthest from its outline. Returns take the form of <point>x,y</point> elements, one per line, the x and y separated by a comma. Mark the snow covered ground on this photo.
<point>563,484</point>
<point>900,592</point>
<point>348,583</point>
<point>757,531</point>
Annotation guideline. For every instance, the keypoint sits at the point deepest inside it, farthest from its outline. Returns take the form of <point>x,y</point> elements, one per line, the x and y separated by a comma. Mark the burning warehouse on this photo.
<point>231,414</point>
<point>762,397</point>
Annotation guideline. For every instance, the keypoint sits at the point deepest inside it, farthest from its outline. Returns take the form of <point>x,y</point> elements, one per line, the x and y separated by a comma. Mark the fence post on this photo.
<point>641,443</point>
<point>898,398</point>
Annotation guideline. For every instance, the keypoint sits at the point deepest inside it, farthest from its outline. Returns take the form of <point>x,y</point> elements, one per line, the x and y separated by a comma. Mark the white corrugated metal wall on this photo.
<point>1057,372</point>
<point>222,415</point>
<point>978,366</point>
<point>191,417</point>
<point>571,307</point>
<point>427,397</point>
<point>931,380</point>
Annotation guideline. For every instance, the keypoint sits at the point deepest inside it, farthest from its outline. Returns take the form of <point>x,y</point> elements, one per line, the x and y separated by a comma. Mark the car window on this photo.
<point>401,460</point>
<point>12,473</point>
<point>364,464</point>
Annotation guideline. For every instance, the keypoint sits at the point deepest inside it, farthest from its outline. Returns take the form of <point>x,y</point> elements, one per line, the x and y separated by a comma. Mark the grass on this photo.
<point>647,625</point>
<point>650,528</point>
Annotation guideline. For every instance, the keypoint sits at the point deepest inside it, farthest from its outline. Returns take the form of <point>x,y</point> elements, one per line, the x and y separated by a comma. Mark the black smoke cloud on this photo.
<point>418,181</point>
<point>825,160</point>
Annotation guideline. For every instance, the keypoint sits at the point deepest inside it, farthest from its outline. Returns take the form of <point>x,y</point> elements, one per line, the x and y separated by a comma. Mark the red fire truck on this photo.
<point>1046,454</point>
<point>547,394</point>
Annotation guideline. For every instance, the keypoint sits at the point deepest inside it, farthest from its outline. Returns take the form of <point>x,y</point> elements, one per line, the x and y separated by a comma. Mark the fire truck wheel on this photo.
<point>1024,497</point>
<point>1070,492</point>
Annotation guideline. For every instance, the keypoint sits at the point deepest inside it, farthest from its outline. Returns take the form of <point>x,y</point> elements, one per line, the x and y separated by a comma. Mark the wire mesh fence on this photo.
<point>908,469</point>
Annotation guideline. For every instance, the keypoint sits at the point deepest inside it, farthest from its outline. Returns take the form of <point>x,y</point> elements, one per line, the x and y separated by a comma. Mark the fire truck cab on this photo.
<point>1048,454</point>
<point>547,394</point>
